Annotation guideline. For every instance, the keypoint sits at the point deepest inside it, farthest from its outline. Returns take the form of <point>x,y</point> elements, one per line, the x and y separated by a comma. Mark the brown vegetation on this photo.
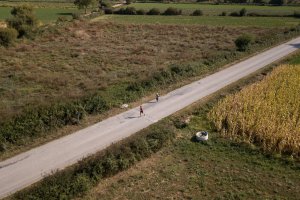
<point>68,62</point>
<point>266,113</point>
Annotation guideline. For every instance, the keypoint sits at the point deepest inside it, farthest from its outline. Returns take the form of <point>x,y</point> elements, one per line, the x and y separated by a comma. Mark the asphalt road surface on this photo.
<point>26,168</point>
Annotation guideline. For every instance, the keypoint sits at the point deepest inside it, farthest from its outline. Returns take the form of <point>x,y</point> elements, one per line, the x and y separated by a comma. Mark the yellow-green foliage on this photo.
<point>266,113</point>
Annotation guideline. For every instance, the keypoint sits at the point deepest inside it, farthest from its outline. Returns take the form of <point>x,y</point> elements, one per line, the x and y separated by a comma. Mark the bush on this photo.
<point>153,11</point>
<point>7,36</point>
<point>277,2</point>
<point>234,14</point>
<point>141,12</point>
<point>105,4</point>
<point>108,11</point>
<point>23,20</point>
<point>197,13</point>
<point>243,12</point>
<point>130,11</point>
<point>242,42</point>
<point>223,13</point>
<point>128,2</point>
<point>297,14</point>
<point>172,11</point>
<point>126,11</point>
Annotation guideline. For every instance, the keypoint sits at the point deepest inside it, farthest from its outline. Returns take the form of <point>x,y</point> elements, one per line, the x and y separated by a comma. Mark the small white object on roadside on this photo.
<point>124,106</point>
<point>202,136</point>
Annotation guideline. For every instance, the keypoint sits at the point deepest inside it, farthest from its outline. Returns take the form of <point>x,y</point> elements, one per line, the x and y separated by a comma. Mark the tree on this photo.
<point>277,2</point>
<point>258,1</point>
<point>242,42</point>
<point>23,20</point>
<point>128,2</point>
<point>243,12</point>
<point>84,4</point>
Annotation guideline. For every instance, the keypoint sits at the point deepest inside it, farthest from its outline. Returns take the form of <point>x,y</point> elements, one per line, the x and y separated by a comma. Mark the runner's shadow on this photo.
<point>151,102</point>
<point>132,117</point>
<point>295,45</point>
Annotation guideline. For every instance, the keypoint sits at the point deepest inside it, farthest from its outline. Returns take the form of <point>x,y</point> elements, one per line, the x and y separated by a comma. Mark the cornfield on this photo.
<point>266,113</point>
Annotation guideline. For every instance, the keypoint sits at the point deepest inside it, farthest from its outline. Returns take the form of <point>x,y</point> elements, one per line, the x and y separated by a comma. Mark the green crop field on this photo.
<point>43,14</point>
<point>206,20</point>
<point>218,9</point>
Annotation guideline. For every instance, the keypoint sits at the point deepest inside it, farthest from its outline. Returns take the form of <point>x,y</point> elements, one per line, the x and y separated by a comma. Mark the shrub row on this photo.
<point>153,11</point>
<point>79,178</point>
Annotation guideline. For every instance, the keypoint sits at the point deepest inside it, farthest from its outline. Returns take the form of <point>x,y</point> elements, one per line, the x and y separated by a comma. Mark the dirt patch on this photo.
<point>3,24</point>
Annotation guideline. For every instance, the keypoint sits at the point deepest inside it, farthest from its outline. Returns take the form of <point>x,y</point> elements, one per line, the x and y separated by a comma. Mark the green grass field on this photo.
<point>218,9</point>
<point>43,14</point>
<point>206,20</point>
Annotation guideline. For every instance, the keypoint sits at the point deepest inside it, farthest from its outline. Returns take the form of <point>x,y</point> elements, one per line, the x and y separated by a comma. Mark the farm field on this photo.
<point>218,9</point>
<point>216,169</point>
<point>69,67</point>
<point>204,20</point>
<point>75,48</point>
<point>266,113</point>
<point>83,67</point>
<point>43,14</point>
<point>185,169</point>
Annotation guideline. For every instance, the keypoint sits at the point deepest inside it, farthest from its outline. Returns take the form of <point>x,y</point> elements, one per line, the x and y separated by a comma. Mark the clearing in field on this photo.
<point>266,113</point>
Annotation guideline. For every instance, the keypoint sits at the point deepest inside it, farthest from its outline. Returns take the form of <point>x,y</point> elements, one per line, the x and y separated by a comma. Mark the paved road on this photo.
<point>29,167</point>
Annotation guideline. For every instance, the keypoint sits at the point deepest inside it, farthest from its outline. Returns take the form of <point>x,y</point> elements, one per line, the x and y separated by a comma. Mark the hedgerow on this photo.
<point>78,179</point>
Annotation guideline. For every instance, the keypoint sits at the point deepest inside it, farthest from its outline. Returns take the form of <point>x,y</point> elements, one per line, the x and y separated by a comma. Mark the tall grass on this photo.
<point>266,113</point>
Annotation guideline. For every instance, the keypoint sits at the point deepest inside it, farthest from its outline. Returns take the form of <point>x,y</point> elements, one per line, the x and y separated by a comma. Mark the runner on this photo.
<point>141,111</point>
<point>156,97</point>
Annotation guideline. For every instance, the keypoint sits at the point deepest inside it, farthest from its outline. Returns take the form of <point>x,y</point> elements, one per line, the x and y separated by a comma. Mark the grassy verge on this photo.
<point>37,122</point>
<point>190,169</point>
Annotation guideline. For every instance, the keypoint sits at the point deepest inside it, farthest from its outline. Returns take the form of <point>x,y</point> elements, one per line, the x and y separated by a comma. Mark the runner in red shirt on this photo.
<point>141,111</point>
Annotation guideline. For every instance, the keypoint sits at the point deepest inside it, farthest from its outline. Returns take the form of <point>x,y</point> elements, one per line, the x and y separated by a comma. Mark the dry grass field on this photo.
<point>266,113</point>
<point>71,61</point>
